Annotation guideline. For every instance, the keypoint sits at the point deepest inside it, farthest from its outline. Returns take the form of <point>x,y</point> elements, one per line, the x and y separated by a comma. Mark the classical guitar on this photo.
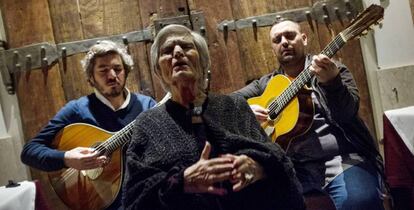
<point>95,188</point>
<point>290,112</point>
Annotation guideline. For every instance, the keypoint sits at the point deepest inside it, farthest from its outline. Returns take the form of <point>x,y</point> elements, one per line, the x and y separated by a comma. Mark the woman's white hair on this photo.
<point>103,48</point>
<point>200,44</point>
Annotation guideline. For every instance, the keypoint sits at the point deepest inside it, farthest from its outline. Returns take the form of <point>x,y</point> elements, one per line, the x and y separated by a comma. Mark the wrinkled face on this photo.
<point>109,75</point>
<point>288,43</point>
<point>179,59</point>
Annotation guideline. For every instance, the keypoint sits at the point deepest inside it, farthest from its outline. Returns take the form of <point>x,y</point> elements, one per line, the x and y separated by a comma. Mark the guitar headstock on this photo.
<point>361,24</point>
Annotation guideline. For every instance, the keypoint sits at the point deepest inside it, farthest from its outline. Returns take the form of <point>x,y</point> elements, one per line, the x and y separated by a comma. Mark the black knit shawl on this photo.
<point>161,150</point>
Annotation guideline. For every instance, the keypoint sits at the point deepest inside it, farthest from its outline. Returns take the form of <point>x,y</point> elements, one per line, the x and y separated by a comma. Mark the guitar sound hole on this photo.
<point>272,116</point>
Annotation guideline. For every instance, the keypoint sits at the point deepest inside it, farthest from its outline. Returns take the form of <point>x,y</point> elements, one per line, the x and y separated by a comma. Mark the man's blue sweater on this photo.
<point>88,109</point>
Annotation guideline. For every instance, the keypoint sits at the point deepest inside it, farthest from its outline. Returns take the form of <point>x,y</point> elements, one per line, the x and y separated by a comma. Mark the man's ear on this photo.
<point>305,39</point>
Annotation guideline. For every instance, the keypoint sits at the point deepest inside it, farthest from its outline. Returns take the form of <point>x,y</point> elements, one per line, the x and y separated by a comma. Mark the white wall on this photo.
<point>389,59</point>
<point>11,135</point>
<point>395,40</point>
<point>3,131</point>
<point>11,139</point>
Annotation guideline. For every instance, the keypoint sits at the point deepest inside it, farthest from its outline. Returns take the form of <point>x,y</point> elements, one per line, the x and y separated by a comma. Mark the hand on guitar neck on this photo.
<point>82,158</point>
<point>323,68</point>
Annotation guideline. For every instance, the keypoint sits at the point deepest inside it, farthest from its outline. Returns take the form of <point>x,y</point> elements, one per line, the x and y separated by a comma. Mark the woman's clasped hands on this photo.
<point>206,175</point>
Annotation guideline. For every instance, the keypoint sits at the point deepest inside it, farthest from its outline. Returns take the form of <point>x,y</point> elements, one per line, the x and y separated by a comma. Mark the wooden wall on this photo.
<point>242,56</point>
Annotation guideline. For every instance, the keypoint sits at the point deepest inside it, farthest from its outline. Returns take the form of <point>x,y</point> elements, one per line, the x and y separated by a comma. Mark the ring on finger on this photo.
<point>248,177</point>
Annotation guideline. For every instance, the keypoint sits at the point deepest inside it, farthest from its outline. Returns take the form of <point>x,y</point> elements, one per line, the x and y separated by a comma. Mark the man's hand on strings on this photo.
<point>82,158</point>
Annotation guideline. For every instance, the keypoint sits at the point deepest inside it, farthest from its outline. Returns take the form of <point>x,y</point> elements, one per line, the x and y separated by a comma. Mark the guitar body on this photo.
<point>295,118</point>
<point>86,189</point>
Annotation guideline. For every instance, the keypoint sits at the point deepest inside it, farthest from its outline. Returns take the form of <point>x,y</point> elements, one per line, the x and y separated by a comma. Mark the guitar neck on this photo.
<point>125,134</point>
<point>117,140</point>
<point>305,76</point>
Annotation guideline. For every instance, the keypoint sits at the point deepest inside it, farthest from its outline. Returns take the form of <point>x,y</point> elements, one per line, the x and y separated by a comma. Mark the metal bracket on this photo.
<point>71,48</point>
<point>30,57</point>
<point>321,11</point>
<point>199,22</point>
<point>43,55</point>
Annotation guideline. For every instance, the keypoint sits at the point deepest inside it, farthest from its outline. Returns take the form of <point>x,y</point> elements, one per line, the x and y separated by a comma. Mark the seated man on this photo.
<point>336,155</point>
<point>111,107</point>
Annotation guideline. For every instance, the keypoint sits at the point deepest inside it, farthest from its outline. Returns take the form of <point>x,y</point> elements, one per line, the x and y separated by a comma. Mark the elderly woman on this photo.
<point>199,150</point>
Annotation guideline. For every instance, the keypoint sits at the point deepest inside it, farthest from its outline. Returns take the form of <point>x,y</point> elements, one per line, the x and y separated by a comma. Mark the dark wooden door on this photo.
<point>237,57</point>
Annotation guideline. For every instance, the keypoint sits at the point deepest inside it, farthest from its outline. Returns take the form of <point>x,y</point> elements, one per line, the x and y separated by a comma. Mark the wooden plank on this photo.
<point>255,50</point>
<point>118,20</point>
<point>109,17</point>
<point>39,93</point>
<point>67,27</point>
<point>227,73</point>
<point>351,56</point>
<point>254,46</point>
<point>152,10</point>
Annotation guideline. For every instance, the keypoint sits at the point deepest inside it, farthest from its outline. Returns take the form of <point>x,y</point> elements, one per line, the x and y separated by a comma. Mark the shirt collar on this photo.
<point>108,103</point>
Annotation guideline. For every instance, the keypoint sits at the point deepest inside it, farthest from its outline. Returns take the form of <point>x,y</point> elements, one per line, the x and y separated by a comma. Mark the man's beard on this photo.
<point>290,60</point>
<point>112,92</point>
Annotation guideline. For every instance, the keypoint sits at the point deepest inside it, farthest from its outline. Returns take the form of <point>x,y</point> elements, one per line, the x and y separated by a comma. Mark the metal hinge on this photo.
<point>322,11</point>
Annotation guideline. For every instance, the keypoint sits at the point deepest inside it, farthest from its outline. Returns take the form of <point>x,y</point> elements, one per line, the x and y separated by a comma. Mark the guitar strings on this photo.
<point>112,143</point>
<point>124,134</point>
<point>302,78</point>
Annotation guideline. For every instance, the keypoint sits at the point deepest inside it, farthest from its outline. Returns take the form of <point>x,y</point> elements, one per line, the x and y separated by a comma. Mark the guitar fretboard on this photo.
<point>277,105</point>
<point>117,140</point>
<point>124,135</point>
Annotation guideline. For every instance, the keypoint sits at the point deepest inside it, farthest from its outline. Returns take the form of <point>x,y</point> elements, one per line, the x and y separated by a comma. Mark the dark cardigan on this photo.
<point>161,150</point>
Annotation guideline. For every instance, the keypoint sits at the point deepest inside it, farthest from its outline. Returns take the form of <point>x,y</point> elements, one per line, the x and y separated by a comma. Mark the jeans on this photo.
<point>357,188</point>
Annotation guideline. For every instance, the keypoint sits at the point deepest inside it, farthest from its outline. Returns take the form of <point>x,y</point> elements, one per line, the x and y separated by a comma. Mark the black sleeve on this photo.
<point>249,139</point>
<point>342,96</point>
<point>38,152</point>
<point>255,88</point>
<point>146,186</point>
